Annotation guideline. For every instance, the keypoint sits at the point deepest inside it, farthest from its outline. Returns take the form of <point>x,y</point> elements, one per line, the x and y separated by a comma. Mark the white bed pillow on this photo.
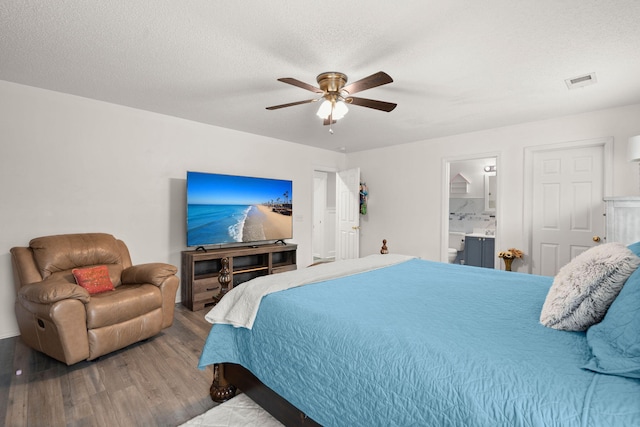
<point>583,290</point>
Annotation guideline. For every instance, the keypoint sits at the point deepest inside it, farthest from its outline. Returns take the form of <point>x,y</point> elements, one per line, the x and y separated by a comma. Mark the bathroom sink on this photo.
<point>483,232</point>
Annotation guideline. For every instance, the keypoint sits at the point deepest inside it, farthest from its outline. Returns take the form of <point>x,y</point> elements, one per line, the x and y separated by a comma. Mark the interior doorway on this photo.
<point>324,216</point>
<point>470,206</point>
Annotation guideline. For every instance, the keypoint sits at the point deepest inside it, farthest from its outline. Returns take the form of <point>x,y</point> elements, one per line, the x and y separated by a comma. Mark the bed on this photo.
<point>392,340</point>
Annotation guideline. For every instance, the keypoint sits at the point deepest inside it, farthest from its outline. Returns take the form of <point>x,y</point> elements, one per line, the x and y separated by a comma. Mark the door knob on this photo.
<point>596,238</point>
<point>356,227</point>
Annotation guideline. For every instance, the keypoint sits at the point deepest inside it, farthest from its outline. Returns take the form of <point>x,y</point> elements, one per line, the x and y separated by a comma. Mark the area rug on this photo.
<point>239,411</point>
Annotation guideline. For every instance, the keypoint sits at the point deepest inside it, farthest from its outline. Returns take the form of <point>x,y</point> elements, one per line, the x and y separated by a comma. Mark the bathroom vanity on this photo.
<point>479,250</point>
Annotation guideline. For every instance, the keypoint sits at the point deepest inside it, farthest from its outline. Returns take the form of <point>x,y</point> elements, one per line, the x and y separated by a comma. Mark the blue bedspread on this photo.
<point>425,344</point>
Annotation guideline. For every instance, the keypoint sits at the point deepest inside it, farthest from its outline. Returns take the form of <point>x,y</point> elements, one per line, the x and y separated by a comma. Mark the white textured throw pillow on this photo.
<point>583,290</point>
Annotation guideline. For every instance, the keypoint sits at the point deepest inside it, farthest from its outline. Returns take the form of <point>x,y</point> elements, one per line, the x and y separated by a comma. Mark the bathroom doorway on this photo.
<point>470,210</point>
<point>324,216</point>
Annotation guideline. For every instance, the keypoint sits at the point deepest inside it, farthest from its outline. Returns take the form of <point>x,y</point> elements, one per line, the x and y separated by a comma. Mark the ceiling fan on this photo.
<point>336,95</point>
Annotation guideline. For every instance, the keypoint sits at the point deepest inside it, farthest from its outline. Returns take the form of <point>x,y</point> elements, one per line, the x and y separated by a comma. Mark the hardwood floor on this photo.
<point>153,383</point>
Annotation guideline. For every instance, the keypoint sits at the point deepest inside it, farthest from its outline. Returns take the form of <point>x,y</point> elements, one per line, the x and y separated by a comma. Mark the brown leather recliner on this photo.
<point>61,319</point>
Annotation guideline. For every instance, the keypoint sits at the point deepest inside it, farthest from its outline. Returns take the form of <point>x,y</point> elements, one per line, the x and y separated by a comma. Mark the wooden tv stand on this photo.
<point>200,269</point>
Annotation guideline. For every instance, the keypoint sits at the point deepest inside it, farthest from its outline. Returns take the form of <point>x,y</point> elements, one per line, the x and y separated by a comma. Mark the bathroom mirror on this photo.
<point>490,193</point>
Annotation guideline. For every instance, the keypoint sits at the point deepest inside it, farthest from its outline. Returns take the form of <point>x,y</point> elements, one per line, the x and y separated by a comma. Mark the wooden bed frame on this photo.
<point>228,377</point>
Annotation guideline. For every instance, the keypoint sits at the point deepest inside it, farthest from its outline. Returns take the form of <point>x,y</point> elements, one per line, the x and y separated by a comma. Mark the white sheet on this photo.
<point>240,306</point>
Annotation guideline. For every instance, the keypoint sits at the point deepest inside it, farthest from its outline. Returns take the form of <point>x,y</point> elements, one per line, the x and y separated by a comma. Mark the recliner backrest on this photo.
<point>58,255</point>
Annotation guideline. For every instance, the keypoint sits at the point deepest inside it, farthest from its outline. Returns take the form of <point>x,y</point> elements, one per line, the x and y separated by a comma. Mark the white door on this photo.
<point>348,214</point>
<point>319,208</point>
<point>567,205</point>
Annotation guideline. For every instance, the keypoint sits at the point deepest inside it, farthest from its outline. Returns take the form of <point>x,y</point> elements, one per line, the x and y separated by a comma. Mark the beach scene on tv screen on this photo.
<point>233,209</point>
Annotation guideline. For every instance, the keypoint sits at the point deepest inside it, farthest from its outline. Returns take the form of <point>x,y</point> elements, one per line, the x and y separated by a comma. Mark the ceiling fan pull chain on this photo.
<point>331,119</point>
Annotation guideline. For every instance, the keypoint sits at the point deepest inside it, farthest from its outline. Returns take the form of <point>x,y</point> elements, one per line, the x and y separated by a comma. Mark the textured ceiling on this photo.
<point>458,66</point>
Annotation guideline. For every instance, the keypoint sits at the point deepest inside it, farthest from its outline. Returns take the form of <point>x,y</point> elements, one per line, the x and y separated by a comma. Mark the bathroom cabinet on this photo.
<point>479,251</point>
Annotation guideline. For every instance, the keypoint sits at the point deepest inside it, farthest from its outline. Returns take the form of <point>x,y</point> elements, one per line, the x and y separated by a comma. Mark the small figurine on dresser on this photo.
<point>384,249</point>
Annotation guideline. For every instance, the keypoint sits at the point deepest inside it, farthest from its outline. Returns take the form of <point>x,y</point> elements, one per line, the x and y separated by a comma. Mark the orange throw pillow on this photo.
<point>94,279</point>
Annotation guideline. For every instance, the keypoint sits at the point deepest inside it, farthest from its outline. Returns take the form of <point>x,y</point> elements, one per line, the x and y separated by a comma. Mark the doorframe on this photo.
<point>527,208</point>
<point>319,198</point>
<point>446,169</point>
<point>326,169</point>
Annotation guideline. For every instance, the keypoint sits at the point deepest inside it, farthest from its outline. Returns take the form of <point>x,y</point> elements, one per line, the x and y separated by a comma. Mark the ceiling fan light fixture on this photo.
<point>340,110</point>
<point>325,109</point>
<point>336,111</point>
<point>335,94</point>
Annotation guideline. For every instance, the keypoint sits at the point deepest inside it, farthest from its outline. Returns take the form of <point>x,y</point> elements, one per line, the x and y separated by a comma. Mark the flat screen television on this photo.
<point>230,209</point>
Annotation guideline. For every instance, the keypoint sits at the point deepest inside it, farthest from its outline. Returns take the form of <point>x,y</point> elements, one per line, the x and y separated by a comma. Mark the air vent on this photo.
<point>581,81</point>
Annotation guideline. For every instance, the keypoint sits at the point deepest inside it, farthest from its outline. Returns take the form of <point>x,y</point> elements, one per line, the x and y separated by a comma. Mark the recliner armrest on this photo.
<point>53,290</point>
<point>155,273</point>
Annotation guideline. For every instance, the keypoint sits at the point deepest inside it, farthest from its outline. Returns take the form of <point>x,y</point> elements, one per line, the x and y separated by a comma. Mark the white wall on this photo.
<point>406,182</point>
<point>70,164</point>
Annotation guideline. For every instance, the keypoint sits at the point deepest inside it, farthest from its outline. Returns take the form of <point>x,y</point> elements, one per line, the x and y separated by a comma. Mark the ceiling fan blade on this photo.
<point>372,103</point>
<point>378,79</point>
<point>298,83</point>
<point>291,104</point>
